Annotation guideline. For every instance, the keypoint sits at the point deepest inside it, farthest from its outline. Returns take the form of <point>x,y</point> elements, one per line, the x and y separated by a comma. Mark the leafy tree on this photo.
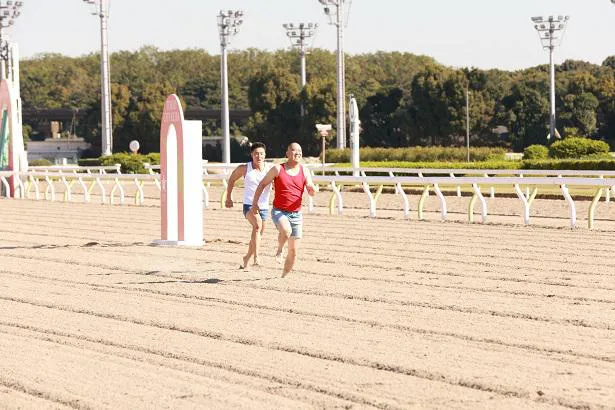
<point>527,116</point>
<point>382,120</point>
<point>144,116</point>
<point>437,105</point>
<point>580,113</point>
<point>273,95</point>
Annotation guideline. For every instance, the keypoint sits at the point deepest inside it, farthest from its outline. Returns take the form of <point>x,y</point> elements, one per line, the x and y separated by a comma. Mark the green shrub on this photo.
<point>130,163</point>
<point>153,158</point>
<point>438,165</point>
<point>578,148</point>
<point>42,162</point>
<point>563,164</point>
<point>419,154</point>
<point>536,152</point>
<point>89,162</point>
<point>570,164</point>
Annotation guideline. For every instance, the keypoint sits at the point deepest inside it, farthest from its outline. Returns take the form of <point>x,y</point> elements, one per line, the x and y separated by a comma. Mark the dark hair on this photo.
<point>256,145</point>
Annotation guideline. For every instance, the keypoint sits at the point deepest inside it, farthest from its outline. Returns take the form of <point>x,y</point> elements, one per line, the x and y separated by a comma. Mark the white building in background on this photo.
<point>57,150</point>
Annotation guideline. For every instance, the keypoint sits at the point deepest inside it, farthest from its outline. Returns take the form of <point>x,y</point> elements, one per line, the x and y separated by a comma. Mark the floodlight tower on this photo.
<point>549,29</point>
<point>228,26</point>
<point>298,34</point>
<point>336,18</point>
<point>9,11</point>
<point>102,11</point>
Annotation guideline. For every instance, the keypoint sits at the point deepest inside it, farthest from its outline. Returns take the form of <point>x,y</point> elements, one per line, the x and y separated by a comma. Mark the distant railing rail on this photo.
<point>42,184</point>
<point>102,169</point>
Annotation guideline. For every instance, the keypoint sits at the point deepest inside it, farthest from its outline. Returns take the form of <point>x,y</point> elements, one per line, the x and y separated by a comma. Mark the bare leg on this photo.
<point>284,231</point>
<point>257,258</point>
<point>256,223</point>
<point>293,244</point>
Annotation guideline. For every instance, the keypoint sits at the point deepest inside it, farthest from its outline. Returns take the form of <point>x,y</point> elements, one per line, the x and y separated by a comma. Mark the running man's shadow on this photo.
<point>85,245</point>
<point>210,281</point>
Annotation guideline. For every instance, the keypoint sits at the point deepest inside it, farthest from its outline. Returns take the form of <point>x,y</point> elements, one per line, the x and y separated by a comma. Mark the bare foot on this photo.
<point>244,265</point>
<point>278,258</point>
<point>284,273</point>
<point>257,261</point>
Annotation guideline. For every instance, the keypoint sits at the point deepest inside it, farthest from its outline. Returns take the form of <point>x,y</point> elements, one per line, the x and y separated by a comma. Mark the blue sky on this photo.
<point>478,33</point>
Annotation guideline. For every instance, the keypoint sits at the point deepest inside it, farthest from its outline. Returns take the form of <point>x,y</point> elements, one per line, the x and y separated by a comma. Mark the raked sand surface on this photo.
<point>379,313</point>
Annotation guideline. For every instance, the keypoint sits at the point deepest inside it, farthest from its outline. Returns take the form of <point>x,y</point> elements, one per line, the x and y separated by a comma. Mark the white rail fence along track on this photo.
<point>113,186</point>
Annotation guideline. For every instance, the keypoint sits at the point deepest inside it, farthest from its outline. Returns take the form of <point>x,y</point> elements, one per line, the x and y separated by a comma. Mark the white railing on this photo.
<point>604,181</point>
<point>336,181</point>
<point>465,172</point>
<point>223,175</point>
<point>44,185</point>
<point>102,169</point>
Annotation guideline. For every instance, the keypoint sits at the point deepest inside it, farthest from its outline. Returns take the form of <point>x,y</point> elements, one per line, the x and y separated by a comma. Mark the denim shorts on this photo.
<point>264,213</point>
<point>295,219</point>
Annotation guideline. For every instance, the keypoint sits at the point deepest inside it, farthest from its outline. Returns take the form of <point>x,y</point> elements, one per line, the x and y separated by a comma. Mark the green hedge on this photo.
<point>418,154</point>
<point>437,165</point>
<point>153,158</point>
<point>536,152</point>
<point>89,162</point>
<point>41,162</point>
<point>130,163</point>
<point>599,165</point>
<point>570,164</point>
<point>579,148</point>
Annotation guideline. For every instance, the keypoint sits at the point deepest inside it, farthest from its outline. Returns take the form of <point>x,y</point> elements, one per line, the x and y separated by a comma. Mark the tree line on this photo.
<point>404,99</point>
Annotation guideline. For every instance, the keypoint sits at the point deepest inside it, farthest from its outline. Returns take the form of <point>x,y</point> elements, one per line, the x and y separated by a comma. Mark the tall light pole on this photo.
<point>336,18</point>
<point>298,34</point>
<point>228,26</point>
<point>468,123</point>
<point>102,11</point>
<point>549,29</point>
<point>9,11</point>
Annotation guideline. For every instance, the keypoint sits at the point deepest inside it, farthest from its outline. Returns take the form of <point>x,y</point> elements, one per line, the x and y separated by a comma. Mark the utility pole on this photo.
<point>336,18</point>
<point>228,26</point>
<point>298,34</point>
<point>468,123</point>
<point>548,29</point>
<point>102,11</point>
<point>9,11</point>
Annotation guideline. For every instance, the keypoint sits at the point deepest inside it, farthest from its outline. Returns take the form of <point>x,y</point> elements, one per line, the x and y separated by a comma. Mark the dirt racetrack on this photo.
<point>380,313</point>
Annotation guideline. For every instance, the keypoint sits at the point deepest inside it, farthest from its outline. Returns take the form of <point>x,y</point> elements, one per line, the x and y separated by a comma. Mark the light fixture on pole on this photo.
<point>9,11</point>
<point>298,34</point>
<point>336,18</point>
<point>323,130</point>
<point>102,11</point>
<point>551,32</point>
<point>228,26</point>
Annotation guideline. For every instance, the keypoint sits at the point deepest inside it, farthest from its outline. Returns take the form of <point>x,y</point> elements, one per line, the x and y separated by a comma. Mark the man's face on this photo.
<point>258,155</point>
<point>294,152</point>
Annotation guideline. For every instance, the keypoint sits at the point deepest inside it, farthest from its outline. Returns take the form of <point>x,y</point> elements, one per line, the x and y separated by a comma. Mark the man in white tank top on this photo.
<point>253,173</point>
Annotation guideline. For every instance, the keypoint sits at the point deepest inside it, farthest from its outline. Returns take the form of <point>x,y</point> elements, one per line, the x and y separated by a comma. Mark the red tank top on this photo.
<point>288,190</point>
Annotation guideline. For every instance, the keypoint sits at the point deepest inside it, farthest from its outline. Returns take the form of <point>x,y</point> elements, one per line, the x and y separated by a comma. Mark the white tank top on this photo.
<point>252,178</point>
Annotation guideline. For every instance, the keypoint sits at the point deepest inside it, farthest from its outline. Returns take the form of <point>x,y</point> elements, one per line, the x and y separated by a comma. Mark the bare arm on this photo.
<point>235,175</point>
<point>269,177</point>
<point>309,184</point>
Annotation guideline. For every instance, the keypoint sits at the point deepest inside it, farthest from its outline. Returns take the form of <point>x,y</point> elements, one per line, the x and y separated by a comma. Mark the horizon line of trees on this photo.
<point>404,99</point>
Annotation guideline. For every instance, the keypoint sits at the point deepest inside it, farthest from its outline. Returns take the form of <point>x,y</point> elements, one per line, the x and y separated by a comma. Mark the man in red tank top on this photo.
<point>289,180</point>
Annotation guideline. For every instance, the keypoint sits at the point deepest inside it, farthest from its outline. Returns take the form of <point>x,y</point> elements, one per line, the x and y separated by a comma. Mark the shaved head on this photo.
<point>294,145</point>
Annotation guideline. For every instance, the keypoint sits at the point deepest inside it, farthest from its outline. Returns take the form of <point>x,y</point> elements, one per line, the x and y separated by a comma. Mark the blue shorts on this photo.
<point>295,219</point>
<point>264,213</point>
